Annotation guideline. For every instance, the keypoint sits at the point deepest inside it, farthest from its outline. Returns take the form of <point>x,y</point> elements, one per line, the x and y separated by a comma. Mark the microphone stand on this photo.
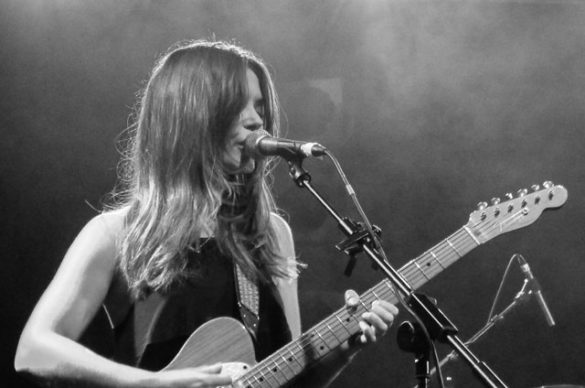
<point>520,297</point>
<point>412,338</point>
<point>435,322</point>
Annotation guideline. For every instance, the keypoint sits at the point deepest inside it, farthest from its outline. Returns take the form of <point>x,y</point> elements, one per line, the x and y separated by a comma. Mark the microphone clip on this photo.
<point>535,289</point>
<point>352,245</point>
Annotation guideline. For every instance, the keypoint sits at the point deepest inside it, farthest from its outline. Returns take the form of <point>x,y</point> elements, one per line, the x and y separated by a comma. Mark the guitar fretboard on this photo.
<point>487,222</point>
<point>292,359</point>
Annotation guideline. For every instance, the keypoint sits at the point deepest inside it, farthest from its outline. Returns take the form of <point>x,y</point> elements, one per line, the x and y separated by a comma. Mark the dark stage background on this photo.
<point>431,107</point>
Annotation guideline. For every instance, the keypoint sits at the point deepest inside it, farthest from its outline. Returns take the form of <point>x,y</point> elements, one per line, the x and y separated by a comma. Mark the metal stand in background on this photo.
<point>412,338</point>
<point>436,324</point>
<point>522,296</point>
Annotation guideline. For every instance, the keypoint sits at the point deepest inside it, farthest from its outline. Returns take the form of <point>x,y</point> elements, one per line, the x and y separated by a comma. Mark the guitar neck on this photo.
<point>484,224</point>
<point>292,359</point>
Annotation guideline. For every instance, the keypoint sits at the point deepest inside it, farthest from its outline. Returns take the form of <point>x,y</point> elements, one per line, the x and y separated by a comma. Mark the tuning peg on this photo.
<point>535,187</point>
<point>509,195</point>
<point>548,184</point>
<point>522,192</point>
<point>482,205</point>
<point>495,201</point>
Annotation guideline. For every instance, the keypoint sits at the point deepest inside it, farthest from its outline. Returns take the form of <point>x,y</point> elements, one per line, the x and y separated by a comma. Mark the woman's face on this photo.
<point>250,119</point>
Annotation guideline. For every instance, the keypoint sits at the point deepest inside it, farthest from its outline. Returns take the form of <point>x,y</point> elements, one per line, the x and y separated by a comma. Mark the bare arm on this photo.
<point>48,350</point>
<point>287,288</point>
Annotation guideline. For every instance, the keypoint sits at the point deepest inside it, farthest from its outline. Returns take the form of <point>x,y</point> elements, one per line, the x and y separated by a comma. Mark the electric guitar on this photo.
<point>225,340</point>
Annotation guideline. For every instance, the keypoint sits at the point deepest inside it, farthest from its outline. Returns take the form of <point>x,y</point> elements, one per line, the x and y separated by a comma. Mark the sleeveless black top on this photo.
<point>149,332</point>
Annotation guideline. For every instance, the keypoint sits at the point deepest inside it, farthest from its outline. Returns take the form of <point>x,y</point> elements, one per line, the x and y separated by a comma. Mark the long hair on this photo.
<point>175,186</point>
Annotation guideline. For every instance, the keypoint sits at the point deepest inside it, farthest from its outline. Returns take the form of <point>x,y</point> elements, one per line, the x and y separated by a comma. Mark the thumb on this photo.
<point>210,369</point>
<point>352,299</point>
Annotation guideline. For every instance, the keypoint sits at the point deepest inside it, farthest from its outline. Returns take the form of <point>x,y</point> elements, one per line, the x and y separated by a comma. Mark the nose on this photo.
<point>251,119</point>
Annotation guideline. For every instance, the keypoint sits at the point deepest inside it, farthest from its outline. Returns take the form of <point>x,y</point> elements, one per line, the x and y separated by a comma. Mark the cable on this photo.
<point>491,313</point>
<point>353,196</point>
<point>378,247</point>
<point>440,379</point>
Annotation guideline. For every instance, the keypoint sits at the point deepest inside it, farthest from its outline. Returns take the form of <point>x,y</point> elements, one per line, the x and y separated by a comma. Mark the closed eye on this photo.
<point>259,108</point>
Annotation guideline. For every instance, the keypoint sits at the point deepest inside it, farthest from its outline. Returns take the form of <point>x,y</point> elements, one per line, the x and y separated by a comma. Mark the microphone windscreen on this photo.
<point>251,143</point>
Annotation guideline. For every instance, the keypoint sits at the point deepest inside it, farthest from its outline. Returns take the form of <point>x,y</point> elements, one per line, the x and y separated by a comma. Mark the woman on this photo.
<point>195,220</point>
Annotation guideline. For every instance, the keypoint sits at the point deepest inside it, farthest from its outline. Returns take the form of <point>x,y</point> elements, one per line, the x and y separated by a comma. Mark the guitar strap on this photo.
<point>248,300</point>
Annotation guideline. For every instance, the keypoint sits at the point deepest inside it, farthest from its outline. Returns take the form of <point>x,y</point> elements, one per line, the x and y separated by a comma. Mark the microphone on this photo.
<point>525,268</point>
<point>260,144</point>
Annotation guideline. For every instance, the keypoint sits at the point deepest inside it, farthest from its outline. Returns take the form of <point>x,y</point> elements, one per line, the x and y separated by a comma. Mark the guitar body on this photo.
<point>221,340</point>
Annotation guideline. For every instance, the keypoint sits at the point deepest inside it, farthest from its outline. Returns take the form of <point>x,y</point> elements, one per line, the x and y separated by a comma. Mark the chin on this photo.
<point>248,167</point>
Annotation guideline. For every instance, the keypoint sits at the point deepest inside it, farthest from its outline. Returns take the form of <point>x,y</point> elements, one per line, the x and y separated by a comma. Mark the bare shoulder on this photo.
<point>281,227</point>
<point>80,285</point>
<point>111,221</point>
<point>106,227</point>
<point>285,240</point>
<point>287,285</point>
<point>98,239</point>
<point>286,245</point>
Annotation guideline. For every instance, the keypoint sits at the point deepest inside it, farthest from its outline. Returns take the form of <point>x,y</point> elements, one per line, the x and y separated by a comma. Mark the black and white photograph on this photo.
<point>292,193</point>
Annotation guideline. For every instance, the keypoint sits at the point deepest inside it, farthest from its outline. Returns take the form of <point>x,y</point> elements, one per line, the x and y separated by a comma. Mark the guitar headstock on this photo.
<point>489,221</point>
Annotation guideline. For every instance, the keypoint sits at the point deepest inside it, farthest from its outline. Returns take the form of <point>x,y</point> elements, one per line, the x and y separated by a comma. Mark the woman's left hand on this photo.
<point>375,322</point>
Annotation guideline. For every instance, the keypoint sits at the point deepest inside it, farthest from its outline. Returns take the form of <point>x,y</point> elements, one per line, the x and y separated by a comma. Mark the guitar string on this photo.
<point>417,275</point>
<point>421,258</point>
<point>418,272</point>
<point>366,295</point>
<point>317,329</point>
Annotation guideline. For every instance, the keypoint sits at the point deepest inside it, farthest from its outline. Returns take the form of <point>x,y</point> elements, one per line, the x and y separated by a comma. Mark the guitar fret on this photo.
<point>355,319</point>
<point>242,383</point>
<point>333,332</point>
<point>437,259</point>
<point>364,305</point>
<point>246,382</point>
<point>342,323</point>
<point>324,341</point>
<point>301,349</point>
<point>453,246</point>
<point>386,293</point>
<point>262,378</point>
<point>471,235</point>
<point>257,380</point>
<point>274,377</point>
<point>275,373</point>
<point>421,270</point>
<point>407,265</point>
<point>294,357</point>
<point>289,367</point>
<point>431,266</point>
